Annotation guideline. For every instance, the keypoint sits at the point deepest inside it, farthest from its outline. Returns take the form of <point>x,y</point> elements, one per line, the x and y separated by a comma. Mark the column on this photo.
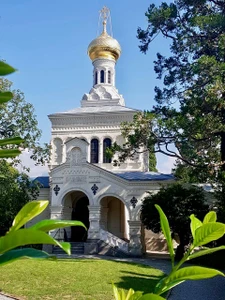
<point>56,214</point>
<point>100,157</point>
<point>94,218</point>
<point>135,246</point>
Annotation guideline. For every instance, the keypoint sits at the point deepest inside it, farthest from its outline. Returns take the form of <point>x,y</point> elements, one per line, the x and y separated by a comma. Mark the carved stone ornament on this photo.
<point>75,157</point>
<point>94,189</point>
<point>56,189</point>
<point>133,202</point>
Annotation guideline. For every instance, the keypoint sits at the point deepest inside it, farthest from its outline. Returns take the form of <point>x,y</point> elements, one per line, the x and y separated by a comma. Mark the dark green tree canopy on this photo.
<point>178,202</point>
<point>15,191</point>
<point>189,116</point>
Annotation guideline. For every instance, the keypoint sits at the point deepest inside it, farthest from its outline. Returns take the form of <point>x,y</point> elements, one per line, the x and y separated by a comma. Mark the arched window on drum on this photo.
<point>94,151</point>
<point>102,76</point>
<point>107,143</point>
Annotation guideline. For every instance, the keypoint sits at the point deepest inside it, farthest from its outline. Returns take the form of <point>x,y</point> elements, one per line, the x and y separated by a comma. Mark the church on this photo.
<point>83,183</point>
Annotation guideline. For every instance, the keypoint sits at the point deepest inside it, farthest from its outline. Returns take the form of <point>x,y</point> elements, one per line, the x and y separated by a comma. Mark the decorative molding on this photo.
<point>56,189</point>
<point>133,201</point>
<point>75,179</point>
<point>94,189</point>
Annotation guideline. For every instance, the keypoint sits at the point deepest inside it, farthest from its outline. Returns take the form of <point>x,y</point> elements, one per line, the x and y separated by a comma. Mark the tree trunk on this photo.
<point>181,247</point>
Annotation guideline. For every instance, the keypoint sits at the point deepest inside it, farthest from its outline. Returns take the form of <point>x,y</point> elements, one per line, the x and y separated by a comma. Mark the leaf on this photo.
<point>5,69</point>
<point>151,297</point>
<point>23,237</point>
<point>208,232</point>
<point>47,225</point>
<point>193,273</point>
<point>11,141</point>
<point>28,212</point>
<point>205,252</point>
<point>9,153</point>
<point>166,231</point>
<point>136,296</point>
<point>5,97</point>
<point>116,293</point>
<point>188,273</point>
<point>195,223</point>
<point>12,255</point>
<point>210,217</point>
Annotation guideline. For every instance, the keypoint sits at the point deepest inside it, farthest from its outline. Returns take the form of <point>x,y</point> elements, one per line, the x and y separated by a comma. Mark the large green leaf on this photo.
<point>193,273</point>
<point>151,297</point>
<point>122,295</point>
<point>5,69</point>
<point>11,141</point>
<point>47,225</point>
<point>12,255</point>
<point>195,223</point>
<point>210,217</point>
<point>6,153</point>
<point>28,212</point>
<point>188,273</point>
<point>5,97</point>
<point>208,232</point>
<point>166,231</point>
<point>24,237</point>
<point>205,252</point>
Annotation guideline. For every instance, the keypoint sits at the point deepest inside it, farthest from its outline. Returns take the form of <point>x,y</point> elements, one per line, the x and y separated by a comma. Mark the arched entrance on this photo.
<point>114,216</point>
<point>76,208</point>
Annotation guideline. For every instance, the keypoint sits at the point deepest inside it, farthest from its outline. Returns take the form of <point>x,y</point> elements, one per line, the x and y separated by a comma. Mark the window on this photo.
<point>106,144</point>
<point>109,77</point>
<point>102,76</point>
<point>96,77</point>
<point>94,151</point>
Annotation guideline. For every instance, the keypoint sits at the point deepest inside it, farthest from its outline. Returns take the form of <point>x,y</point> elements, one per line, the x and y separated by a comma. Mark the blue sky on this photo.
<point>47,42</point>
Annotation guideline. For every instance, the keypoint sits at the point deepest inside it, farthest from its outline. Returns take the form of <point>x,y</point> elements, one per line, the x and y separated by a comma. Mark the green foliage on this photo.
<point>202,233</point>
<point>36,234</point>
<point>188,121</point>
<point>178,202</point>
<point>166,231</point>
<point>15,191</point>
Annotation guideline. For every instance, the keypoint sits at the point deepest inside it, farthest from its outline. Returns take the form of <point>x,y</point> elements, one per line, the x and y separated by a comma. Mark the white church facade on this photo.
<point>83,183</point>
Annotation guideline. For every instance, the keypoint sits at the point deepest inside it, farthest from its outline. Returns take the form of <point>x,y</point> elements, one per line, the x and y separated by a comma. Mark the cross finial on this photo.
<point>104,14</point>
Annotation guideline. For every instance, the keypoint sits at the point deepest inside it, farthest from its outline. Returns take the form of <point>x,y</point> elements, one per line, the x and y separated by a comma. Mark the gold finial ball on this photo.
<point>104,46</point>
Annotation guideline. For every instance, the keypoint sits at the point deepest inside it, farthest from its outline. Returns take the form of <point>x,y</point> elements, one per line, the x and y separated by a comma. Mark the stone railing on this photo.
<point>113,240</point>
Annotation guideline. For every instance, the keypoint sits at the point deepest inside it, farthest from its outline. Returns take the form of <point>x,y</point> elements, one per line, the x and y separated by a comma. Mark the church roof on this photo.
<point>144,176</point>
<point>43,180</point>
<point>98,109</point>
<point>130,176</point>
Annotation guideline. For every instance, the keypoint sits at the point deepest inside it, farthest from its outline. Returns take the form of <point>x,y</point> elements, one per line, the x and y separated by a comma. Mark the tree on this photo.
<point>15,191</point>
<point>193,77</point>
<point>17,118</point>
<point>178,202</point>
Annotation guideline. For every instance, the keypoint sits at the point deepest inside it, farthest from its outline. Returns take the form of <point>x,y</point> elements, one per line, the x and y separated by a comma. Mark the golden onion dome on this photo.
<point>104,46</point>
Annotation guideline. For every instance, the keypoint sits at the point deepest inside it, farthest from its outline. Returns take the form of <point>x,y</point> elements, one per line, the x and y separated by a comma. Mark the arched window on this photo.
<point>94,151</point>
<point>109,76</point>
<point>96,77</point>
<point>102,76</point>
<point>106,144</point>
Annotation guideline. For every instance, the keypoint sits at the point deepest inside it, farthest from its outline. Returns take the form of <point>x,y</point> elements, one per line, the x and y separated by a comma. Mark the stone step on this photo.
<point>76,248</point>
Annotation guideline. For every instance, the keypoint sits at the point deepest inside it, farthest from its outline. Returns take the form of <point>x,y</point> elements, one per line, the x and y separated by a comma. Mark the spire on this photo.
<point>104,15</point>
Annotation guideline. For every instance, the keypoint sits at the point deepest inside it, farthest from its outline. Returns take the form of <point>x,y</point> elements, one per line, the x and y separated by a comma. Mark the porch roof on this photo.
<point>144,176</point>
<point>43,180</point>
<point>130,176</point>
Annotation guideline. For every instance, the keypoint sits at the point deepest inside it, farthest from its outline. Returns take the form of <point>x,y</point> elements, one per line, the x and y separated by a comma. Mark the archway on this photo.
<point>76,208</point>
<point>114,217</point>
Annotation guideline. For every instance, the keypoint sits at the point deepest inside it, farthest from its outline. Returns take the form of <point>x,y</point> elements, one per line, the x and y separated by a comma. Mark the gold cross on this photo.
<point>104,13</point>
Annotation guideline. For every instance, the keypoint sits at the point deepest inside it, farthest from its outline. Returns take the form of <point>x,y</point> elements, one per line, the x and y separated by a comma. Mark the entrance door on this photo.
<point>80,212</point>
